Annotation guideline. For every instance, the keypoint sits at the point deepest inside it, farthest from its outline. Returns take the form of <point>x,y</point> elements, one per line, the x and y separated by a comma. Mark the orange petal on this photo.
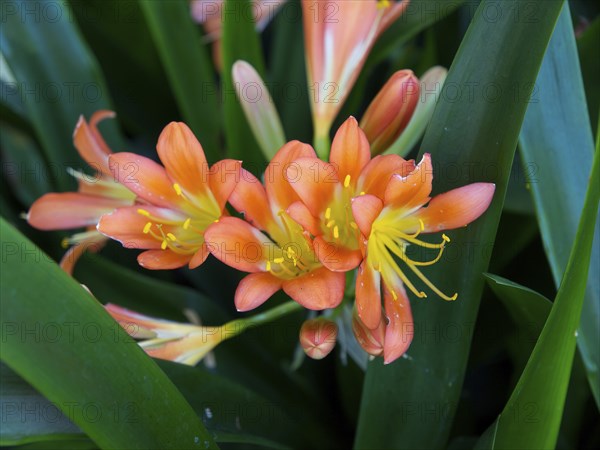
<point>314,181</point>
<point>250,198</point>
<point>199,257</point>
<point>147,179</point>
<point>371,340</point>
<point>299,212</point>
<point>183,158</point>
<point>279,189</point>
<point>255,289</point>
<point>365,209</point>
<point>335,257</point>
<point>319,289</point>
<point>368,295</point>
<point>94,243</point>
<point>238,244</point>
<point>162,259</point>
<point>62,211</point>
<point>400,328</point>
<point>223,178</point>
<point>126,225</point>
<point>350,151</point>
<point>413,190</point>
<point>89,142</point>
<point>376,175</point>
<point>456,208</point>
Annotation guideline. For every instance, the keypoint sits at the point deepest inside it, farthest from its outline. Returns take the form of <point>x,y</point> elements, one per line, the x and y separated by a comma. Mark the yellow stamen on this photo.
<point>147,227</point>
<point>143,212</point>
<point>278,260</point>
<point>382,4</point>
<point>353,225</point>
<point>163,244</point>
<point>336,232</point>
<point>268,266</point>
<point>171,236</point>
<point>347,181</point>
<point>328,213</point>
<point>186,224</point>
<point>330,223</point>
<point>177,189</point>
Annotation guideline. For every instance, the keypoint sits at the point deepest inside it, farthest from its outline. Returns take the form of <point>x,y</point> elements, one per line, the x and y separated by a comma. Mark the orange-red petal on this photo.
<point>365,209</point>
<point>400,328</point>
<point>376,175</point>
<point>456,208</point>
<point>350,150</point>
<point>255,289</point>
<point>89,142</point>
<point>368,295</point>
<point>238,244</point>
<point>313,180</point>
<point>412,190</point>
<point>183,158</point>
<point>147,179</point>
<point>126,225</point>
<point>318,289</point>
<point>279,190</point>
<point>223,178</point>
<point>250,198</point>
<point>162,259</point>
<point>61,211</point>
<point>299,212</point>
<point>199,257</point>
<point>336,257</point>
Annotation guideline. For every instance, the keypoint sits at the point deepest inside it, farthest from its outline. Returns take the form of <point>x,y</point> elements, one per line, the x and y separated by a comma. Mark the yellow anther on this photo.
<point>328,213</point>
<point>268,266</point>
<point>422,224</point>
<point>171,236</point>
<point>362,193</point>
<point>147,227</point>
<point>423,295</point>
<point>64,243</point>
<point>143,212</point>
<point>353,225</point>
<point>394,295</point>
<point>336,232</point>
<point>381,4</point>
<point>177,188</point>
<point>330,223</point>
<point>454,297</point>
<point>163,244</point>
<point>347,181</point>
<point>186,224</point>
<point>278,260</point>
<point>445,238</point>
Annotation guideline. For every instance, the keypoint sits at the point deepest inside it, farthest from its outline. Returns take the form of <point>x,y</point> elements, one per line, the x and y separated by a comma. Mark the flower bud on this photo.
<point>391,110</point>
<point>371,341</point>
<point>317,337</point>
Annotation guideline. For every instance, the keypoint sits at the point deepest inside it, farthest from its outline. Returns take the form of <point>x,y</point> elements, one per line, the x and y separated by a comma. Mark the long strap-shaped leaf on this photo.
<point>56,78</point>
<point>472,137</point>
<point>189,69</point>
<point>61,340</point>
<point>557,142</point>
<point>543,386</point>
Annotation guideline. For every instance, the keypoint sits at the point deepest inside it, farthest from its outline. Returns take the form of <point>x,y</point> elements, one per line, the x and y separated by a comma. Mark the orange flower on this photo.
<point>97,195</point>
<point>270,245</point>
<point>175,203</point>
<point>327,190</point>
<point>389,226</point>
<point>338,36</point>
<point>173,341</point>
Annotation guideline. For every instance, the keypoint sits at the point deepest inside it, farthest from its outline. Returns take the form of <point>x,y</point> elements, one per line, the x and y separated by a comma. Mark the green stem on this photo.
<point>265,317</point>
<point>322,144</point>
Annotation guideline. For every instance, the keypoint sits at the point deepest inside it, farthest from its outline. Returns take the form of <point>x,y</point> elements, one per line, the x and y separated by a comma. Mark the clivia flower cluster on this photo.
<point>304,226</point>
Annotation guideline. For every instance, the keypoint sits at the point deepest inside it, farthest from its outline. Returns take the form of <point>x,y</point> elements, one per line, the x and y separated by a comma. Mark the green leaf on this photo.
<point>57,79</point>
<point>112,390</point>
<point>587,45</point>
<point>189,69</point>
<point>239,41</point>
<point>467,137</point>
<point>557,141</point>
<point>532,416</point>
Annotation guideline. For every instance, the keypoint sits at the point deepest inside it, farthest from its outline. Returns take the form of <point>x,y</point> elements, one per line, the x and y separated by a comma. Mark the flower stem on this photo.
<point>265,317</point>
<point>322,144</point>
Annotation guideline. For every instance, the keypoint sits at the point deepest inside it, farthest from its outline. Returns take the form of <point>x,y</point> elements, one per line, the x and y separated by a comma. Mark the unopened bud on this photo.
<point>391,110</point>
<point>370,340</point>
<point>317,337</point>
